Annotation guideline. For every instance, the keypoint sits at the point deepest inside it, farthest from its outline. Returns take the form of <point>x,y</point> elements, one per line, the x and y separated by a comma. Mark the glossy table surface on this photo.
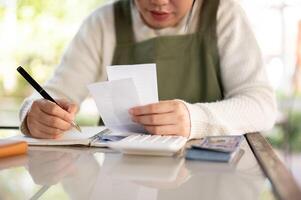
<point>96,173</point>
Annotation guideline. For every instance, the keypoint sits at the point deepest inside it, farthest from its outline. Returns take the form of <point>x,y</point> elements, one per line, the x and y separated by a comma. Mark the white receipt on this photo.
<point>128,86</point>
<point>113,100</point>
<point>144,77</point>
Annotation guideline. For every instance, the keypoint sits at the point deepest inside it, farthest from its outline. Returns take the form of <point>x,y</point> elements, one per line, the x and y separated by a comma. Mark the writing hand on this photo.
<point>47,120</point>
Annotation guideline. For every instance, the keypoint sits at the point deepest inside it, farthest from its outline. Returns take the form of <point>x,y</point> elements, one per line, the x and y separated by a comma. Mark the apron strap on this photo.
<point>208,17</point>
<point>123,22</point>
<point>208,32</point>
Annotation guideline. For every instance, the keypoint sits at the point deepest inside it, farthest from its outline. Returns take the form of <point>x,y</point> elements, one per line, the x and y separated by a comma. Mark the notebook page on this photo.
<point>72,137</point>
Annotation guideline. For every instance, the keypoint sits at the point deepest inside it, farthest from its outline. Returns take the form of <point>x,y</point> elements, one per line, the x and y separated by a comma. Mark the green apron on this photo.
<point>187,65</point>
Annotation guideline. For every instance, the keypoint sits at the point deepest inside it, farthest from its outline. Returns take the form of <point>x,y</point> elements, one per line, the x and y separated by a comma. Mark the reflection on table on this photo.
<point>93,173</point>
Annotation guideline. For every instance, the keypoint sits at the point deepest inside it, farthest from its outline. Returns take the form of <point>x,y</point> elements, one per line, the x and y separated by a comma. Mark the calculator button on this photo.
<point>143,138</point>
<point>130,138</point>
<point>165,138</point>
<point>173,140</point>
<point>154,138</point>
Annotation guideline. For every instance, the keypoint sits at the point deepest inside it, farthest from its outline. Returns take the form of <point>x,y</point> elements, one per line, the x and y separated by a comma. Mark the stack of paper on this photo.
<point>127,86</point>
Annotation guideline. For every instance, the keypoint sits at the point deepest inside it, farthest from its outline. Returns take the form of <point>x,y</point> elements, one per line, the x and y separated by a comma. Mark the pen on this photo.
<point>42,92</point>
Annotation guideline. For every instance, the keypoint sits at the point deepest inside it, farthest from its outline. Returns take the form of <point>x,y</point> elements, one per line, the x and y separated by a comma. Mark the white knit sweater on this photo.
<point>249,103</point>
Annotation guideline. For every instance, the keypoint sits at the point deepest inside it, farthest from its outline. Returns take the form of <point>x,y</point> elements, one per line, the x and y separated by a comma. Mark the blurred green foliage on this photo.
<point>287,133</point>
<point>63,10</point>
<point>46,27</point>
<point>2,11</point>
<point>42,30</point>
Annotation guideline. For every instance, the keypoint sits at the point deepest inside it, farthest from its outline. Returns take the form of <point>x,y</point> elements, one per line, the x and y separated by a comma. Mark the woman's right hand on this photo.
<point>47,120</point>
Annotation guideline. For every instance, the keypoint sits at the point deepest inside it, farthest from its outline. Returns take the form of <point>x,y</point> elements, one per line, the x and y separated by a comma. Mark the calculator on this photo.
<point>155,145</point>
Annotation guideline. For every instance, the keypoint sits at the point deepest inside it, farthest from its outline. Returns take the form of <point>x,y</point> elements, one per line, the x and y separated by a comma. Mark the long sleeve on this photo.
<point>249,103</point>
<point>81,64</point>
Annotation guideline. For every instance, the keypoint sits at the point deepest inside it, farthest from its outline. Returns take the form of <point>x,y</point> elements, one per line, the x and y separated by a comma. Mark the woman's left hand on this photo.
<point>163,118</point>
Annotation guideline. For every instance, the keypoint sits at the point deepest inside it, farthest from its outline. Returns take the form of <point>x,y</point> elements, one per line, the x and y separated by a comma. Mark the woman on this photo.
<point>210,74</point>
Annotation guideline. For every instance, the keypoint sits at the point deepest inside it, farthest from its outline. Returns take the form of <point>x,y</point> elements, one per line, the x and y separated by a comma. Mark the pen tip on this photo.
<point>78,128</point>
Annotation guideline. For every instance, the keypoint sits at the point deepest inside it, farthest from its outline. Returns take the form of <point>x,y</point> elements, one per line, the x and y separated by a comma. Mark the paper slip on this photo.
<point>113,100</point>
<point>128,86</point>
<point>144,77</point>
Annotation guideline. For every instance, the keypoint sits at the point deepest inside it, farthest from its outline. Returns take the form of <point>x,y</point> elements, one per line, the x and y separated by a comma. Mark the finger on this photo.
<point>72,109</point>
<point>52,121</point>
<point>63,102</point>
<point>162,130</point>
<point>48,130</point>
<point>156,108</point>
<point>40,134</point>
<point>68,106</point>
<point>34,130</point>
<point>53,109</point>
<point>156,119</point>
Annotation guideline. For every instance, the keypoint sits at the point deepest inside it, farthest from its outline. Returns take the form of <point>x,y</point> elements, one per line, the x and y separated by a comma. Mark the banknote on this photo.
<point>220,143</point>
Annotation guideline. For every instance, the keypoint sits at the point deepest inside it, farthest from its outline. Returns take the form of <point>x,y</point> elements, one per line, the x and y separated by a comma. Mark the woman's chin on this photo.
<point>160,25</point>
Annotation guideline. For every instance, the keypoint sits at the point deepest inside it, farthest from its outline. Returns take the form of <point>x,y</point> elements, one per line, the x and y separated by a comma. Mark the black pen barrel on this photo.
<point>47,96</point>
<point>29,79</point>
<point>34,84</point>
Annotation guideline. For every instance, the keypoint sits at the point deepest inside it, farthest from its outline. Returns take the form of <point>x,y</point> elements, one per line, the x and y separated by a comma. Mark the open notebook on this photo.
<point>127,143</point>
<point>90,136</point>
